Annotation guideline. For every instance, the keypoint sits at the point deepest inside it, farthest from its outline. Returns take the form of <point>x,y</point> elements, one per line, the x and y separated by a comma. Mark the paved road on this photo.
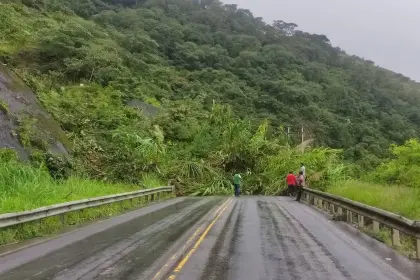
<point>208,238</point>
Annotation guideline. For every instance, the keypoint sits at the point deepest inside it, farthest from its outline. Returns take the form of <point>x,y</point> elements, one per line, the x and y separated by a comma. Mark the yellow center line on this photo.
<point>221,206</point>
<point>187,243</point>
<point>197,244</point>
<point>177,253</point>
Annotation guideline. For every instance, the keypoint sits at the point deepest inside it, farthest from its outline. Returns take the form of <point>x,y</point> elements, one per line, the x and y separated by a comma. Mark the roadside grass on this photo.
<point>404,201</point>
<point>23,187</point>
<point>396,199</point>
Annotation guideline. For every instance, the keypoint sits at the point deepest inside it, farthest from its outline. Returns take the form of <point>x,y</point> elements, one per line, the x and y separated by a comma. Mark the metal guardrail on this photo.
<point>346,208</point>
<point>11,219</point>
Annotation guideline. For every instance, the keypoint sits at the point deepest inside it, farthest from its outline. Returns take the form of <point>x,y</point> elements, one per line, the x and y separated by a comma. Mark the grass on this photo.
<point>397,199</point>
<point>4,107</point>
<point>23,187</point>
<point>402,200</point>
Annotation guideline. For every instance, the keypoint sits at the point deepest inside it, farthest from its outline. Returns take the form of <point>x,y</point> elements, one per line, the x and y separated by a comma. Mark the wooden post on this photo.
<point>303,148</point>
<point>375,226</point>
<point>361,221</point>
<point>418,248</point>
<point>396,237</point>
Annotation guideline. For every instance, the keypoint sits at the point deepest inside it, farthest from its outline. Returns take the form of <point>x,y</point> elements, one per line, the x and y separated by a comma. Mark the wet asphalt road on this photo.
<point>243,238</point>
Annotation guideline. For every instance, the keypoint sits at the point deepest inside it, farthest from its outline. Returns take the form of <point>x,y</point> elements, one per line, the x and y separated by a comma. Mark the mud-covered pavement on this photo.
<point>208,238</point>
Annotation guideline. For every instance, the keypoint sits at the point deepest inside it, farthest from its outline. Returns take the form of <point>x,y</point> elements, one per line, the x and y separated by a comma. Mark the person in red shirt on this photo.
<point>291,183</point>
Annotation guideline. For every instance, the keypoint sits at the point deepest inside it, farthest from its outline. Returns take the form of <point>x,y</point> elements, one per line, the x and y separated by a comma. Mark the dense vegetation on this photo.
<point>195,90</point>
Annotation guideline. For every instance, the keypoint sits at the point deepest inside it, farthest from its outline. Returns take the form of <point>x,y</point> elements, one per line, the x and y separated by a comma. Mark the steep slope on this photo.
<point>24,123</point>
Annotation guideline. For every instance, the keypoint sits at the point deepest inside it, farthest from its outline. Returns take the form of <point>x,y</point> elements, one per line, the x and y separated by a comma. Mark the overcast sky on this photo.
<point>384,31</point>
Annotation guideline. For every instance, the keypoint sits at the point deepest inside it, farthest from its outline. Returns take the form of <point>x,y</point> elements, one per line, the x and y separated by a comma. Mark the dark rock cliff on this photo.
<point>18,104</point>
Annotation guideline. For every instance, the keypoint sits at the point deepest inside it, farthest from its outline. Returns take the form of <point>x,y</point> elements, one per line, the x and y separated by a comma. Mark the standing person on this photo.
<point>300,184</point>
<point>237,183</point>
<point>303,169</point>
<point>291,183</point>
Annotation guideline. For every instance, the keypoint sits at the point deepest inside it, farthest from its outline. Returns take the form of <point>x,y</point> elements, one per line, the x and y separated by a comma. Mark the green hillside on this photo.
<point>194,90</point>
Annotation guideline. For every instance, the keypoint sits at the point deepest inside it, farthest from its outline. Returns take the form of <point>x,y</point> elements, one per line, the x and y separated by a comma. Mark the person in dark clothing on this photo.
<point>291,183</point>
<point>300,184</point>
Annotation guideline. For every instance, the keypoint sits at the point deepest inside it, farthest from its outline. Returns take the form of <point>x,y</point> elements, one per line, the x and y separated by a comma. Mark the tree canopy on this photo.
<point>182,58</point>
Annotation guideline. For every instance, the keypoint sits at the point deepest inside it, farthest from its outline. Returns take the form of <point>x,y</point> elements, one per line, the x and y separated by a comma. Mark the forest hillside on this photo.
<point>194,90</point>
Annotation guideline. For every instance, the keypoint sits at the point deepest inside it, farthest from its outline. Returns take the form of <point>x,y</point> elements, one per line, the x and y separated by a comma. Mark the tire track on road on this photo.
<point>303,256</point>
<point>80,258</point>
<point>218,265</point>
<point>120,260</point>
<point>303,233</point>
<point>279,262</point>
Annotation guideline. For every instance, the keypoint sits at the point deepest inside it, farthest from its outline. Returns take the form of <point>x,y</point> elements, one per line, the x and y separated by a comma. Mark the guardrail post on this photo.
<point>62,219</point>
<point>396,237</point>
<point>418,248</point>
<point>349,217</point>
<point>361,221</point>
<point>340,211</point>
<point>332,208</point>
<point>375,226</point>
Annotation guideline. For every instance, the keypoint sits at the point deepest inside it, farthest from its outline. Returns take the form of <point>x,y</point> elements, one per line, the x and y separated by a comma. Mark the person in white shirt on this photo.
<point>303,169</point>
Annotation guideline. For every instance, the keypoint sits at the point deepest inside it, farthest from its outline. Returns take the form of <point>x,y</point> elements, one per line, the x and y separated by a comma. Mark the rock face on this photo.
<point>17,101</point>
<point>147,109</point>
